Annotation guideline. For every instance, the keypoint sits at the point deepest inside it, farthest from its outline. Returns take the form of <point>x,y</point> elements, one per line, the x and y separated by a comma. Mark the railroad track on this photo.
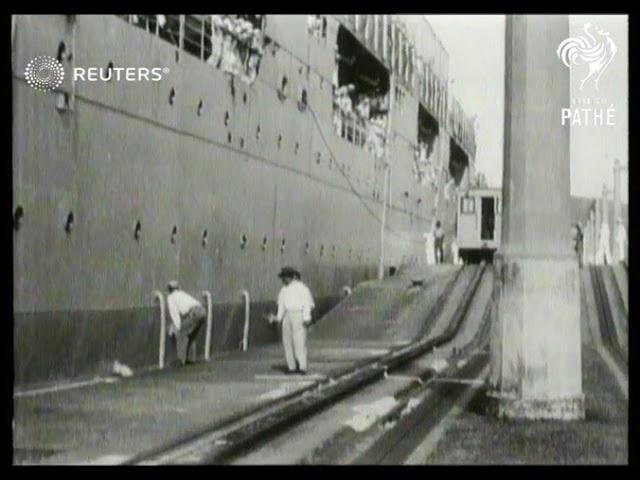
<point>606,321</point>
<point>222,442</point>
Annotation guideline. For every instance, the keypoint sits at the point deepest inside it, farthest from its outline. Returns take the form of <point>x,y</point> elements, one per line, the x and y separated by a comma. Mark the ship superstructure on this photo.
<point>270,140</point>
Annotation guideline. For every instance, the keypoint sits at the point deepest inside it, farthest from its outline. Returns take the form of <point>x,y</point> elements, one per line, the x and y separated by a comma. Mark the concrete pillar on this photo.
<point>617,208</point>
<point>536,365</point>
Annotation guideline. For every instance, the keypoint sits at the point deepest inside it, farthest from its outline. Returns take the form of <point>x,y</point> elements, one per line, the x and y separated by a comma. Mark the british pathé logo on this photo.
<point>44,73</point>
<point>594,51</point>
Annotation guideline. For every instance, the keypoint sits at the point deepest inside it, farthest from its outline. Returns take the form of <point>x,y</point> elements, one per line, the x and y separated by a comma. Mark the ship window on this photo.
<point>424,168</point>
<point>18,216</point>
<point>458,161</point>
<point>136,230</point>
<point>467,205</point>
<point>361,96</point>
<point>317,25</point>
<point>200,105</point>
<point>172,95</point>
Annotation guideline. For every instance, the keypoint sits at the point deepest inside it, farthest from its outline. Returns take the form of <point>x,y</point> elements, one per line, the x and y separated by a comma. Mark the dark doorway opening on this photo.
<point>488,221</point>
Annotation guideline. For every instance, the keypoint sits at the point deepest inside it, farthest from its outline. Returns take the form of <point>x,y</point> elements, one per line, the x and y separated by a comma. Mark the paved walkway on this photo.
<point>110,421</point>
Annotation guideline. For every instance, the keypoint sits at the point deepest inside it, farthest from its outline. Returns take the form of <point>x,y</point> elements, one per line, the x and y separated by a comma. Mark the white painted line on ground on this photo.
<point>404,378</point>
<point>422,452</point>
<point>105,460</point>
<point>290,378</point>
<point>621,380</point>
<point>467,381</point>
<point>66,386</point>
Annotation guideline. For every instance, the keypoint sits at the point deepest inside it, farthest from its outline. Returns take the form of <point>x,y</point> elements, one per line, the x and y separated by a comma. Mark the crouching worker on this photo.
<point>187,316</point>
<point>295,304</point>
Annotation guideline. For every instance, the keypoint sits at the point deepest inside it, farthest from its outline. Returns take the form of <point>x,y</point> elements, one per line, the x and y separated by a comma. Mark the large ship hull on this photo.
<point>122,155</point>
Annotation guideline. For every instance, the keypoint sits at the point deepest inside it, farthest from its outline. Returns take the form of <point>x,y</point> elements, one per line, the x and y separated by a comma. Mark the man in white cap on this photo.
<point>295,303</point>
<point>187,316</point>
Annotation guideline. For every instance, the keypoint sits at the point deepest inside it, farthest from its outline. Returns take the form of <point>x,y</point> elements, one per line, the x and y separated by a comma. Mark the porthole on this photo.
<point>18,217</point>
<point>110,70</point>
<point>62,49</point>
<point>68,224</point>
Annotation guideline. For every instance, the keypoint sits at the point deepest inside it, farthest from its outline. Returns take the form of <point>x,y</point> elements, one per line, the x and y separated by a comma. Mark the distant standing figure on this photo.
<point>187,316</point>
<point>439,242</point>
<point>578,239</point>
<point>429,248</point>
<point>295,304</point>
<point>603,255</point>
<point>621,241</point>
<point>455,253</point>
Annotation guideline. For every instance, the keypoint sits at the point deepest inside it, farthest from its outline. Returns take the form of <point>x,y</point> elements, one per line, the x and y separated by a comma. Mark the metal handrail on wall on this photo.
<point>247,310</point>
<point>207,340</point>
<point>163,328</point>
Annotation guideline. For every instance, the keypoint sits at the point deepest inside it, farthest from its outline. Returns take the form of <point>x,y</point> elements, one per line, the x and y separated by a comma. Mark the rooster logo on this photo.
<point>597,53</point>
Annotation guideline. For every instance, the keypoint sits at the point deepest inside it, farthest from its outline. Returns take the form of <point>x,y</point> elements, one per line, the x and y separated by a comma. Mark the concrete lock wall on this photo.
<point>126,155</point>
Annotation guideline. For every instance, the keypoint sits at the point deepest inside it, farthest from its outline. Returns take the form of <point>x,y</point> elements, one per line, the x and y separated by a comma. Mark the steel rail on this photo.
<point>219,443</point>
<point>605,319</point>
